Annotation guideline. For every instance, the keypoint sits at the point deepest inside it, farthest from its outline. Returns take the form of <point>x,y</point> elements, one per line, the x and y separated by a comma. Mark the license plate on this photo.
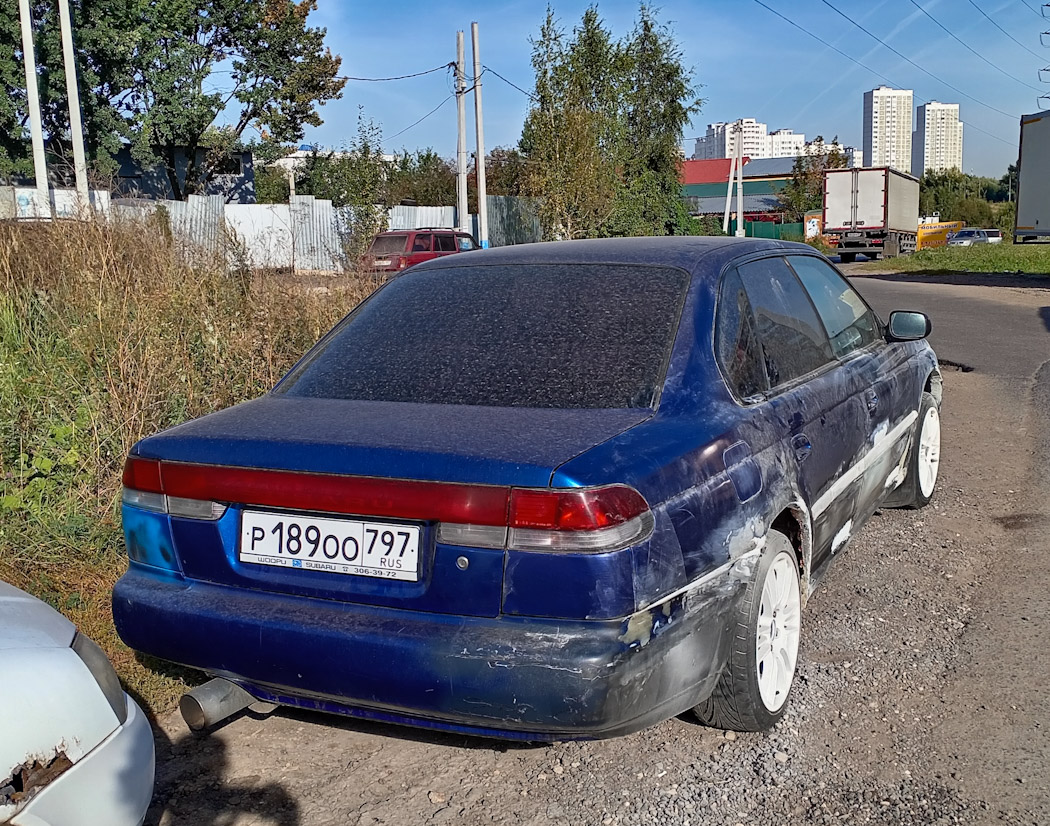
<point>854,234</point>
<point>339,546</point>
<point>382,262</point>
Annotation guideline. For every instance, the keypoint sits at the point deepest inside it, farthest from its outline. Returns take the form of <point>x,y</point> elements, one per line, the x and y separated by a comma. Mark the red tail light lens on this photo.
<point>582,519</point>
<point>580,509</point>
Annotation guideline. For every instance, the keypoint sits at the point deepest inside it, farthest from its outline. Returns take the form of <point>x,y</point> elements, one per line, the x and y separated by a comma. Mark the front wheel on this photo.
<point>924,463</point>
<point>752,692</point>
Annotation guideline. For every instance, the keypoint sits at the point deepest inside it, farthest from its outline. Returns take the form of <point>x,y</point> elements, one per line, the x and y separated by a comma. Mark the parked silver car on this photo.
<point>969,237</point>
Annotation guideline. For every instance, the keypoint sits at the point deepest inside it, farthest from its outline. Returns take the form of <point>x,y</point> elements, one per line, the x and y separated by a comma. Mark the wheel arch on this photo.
<point>935,385</point>
<point>794,522</point>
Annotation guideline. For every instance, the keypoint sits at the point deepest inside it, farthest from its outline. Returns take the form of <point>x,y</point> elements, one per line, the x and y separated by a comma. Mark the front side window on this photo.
<point>444,242</point>
<point>850,323</point>
<point>792,337</point>
<point>510,335</point>
<point>466,243</point>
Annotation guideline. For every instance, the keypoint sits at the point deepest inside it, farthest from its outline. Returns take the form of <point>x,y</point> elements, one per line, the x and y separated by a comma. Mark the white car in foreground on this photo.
<point>74,748</point>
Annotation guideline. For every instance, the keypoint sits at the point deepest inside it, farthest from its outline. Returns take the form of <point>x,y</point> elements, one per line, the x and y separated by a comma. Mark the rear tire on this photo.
<point>918,486</point>
<point>753,690</point>
<point>847,257</point>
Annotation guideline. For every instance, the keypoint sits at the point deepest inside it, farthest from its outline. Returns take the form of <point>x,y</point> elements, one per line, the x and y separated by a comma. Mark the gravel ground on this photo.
<point>875,732</point>
<point>920,699</point>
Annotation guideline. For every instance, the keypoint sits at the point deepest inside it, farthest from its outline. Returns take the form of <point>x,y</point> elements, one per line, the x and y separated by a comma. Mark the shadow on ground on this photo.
<point>963,279</point>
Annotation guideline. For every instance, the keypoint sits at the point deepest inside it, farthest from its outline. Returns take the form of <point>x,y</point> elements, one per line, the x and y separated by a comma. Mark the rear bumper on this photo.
<point>513,677</point>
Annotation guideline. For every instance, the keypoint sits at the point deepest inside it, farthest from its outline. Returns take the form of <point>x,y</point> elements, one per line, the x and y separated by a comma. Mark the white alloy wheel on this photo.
<point>779,630</point>
<point>929,451</point>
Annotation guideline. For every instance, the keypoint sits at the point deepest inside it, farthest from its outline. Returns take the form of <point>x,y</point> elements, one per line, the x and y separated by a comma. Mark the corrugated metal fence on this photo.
<point>309,233</point>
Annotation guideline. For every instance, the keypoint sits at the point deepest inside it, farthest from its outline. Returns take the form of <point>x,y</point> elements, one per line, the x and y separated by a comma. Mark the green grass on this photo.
<point>991,258</point>
<point>107,335</point>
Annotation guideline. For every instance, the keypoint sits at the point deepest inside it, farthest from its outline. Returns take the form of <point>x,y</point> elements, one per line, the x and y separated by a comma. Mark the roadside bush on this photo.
<point>106,335</point>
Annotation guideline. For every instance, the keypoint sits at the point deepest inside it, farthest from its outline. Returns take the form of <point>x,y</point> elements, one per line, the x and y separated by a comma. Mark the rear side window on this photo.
<point>563,336</point>
<point>792,337</point>
<point>849,322</point>
<point>739,351</point>
<point>444,242</point>
<point>422,242</point>
<point>388,245</point>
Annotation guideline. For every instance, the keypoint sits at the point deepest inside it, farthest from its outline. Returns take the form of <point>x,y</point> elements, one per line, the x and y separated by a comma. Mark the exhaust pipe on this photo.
<point>212,703</point>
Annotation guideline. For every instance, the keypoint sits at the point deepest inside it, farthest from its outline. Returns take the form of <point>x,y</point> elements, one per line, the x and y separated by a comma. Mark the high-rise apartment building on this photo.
<point>937,142</point>
<point>888,128</point>
<point>758,142</point>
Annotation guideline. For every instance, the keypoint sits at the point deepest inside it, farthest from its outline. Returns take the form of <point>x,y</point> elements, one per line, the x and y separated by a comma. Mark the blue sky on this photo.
<point>749,62</point>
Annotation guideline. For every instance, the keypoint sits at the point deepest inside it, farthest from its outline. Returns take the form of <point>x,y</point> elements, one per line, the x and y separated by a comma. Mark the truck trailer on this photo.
<point>1033,179</point>
<point>874,211</point>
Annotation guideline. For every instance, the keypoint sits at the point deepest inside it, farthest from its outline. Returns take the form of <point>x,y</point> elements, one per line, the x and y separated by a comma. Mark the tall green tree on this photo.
<point>172,77</point>
<point>355,177</point>
<point>423,177</point>
<point>601,141</point>
<point>805,191</point>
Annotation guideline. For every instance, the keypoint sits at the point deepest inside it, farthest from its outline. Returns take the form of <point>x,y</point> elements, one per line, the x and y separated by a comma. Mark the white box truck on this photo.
<point>1033,179</point>
<point>874,211</point>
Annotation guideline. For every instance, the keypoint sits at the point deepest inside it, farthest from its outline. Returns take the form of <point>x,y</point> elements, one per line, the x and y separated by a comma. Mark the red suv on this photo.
<point>394,251</point>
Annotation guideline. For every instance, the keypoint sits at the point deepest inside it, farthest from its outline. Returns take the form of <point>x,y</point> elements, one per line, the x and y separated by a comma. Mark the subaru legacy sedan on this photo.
<point>551,491</point>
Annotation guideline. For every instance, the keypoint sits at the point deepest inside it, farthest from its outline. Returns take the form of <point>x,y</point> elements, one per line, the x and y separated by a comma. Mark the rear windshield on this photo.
<point>966,233</point>
<point>387,245</point>
<point>553,335</point>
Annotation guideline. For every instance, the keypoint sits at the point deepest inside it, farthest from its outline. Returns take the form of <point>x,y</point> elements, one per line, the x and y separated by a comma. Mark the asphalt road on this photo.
<point>998,330</point>
<point>921,696</point>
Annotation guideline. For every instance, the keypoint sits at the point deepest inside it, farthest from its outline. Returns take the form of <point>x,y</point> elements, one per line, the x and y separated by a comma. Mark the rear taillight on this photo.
<point>144,489</point>
<point>534,519</point>
<point>574,519</point>
<point>402,262</point>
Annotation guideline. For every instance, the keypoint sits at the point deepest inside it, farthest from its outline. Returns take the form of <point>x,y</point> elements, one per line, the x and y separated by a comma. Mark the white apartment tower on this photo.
<point>758,142</point>
<point>888,128</point>
<point>937,142</point>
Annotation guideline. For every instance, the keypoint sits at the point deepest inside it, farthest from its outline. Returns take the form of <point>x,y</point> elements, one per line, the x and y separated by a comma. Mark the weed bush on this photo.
<point>107,335</point>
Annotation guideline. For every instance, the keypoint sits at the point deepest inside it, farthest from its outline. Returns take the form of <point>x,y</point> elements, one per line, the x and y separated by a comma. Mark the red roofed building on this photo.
<point>716,171</point>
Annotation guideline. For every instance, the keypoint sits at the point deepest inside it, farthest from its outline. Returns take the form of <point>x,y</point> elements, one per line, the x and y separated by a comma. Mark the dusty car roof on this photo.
<point>672,251</point>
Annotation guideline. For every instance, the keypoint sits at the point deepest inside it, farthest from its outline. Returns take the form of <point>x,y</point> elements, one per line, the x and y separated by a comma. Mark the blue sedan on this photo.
<point>552,491</point>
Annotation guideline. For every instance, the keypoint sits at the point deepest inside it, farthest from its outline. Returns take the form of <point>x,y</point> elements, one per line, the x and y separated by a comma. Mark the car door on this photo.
<point>421,247</point>
<point>881,369</point>
<point>813,400</point>
<point>444,244</point>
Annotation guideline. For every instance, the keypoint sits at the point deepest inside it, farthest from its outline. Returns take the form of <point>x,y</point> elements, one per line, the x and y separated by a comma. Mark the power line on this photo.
<point>973,51</point>
<point>399,77</point>
<point>1004,31</point>
<point>427,115</point>
<point>1034,10</point>
<point>906,58</point>
<point>509,83</point>
<point>877,73</point>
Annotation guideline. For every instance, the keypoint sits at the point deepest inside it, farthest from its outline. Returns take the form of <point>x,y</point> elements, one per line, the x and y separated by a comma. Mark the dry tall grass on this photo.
<point>107,335</point>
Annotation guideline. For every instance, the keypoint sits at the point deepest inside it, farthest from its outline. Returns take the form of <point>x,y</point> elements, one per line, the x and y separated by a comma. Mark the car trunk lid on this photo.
<point>281,460</point>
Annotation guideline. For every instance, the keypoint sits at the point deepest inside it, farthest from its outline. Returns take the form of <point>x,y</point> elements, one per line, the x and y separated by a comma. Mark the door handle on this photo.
<point>802,446</point>
<point>871,398</point>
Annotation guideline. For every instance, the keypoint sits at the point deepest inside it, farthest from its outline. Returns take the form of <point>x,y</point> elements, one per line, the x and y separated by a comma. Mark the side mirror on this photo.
<point>908,326</point>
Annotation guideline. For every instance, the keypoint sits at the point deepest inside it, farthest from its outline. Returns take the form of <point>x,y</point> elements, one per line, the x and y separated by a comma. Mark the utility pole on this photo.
<point>76,130</point>
<point>43,205</point>
<point>729,194</point>
<point>741,230</point>
<point>483,210</point>
<point>461,145</point>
